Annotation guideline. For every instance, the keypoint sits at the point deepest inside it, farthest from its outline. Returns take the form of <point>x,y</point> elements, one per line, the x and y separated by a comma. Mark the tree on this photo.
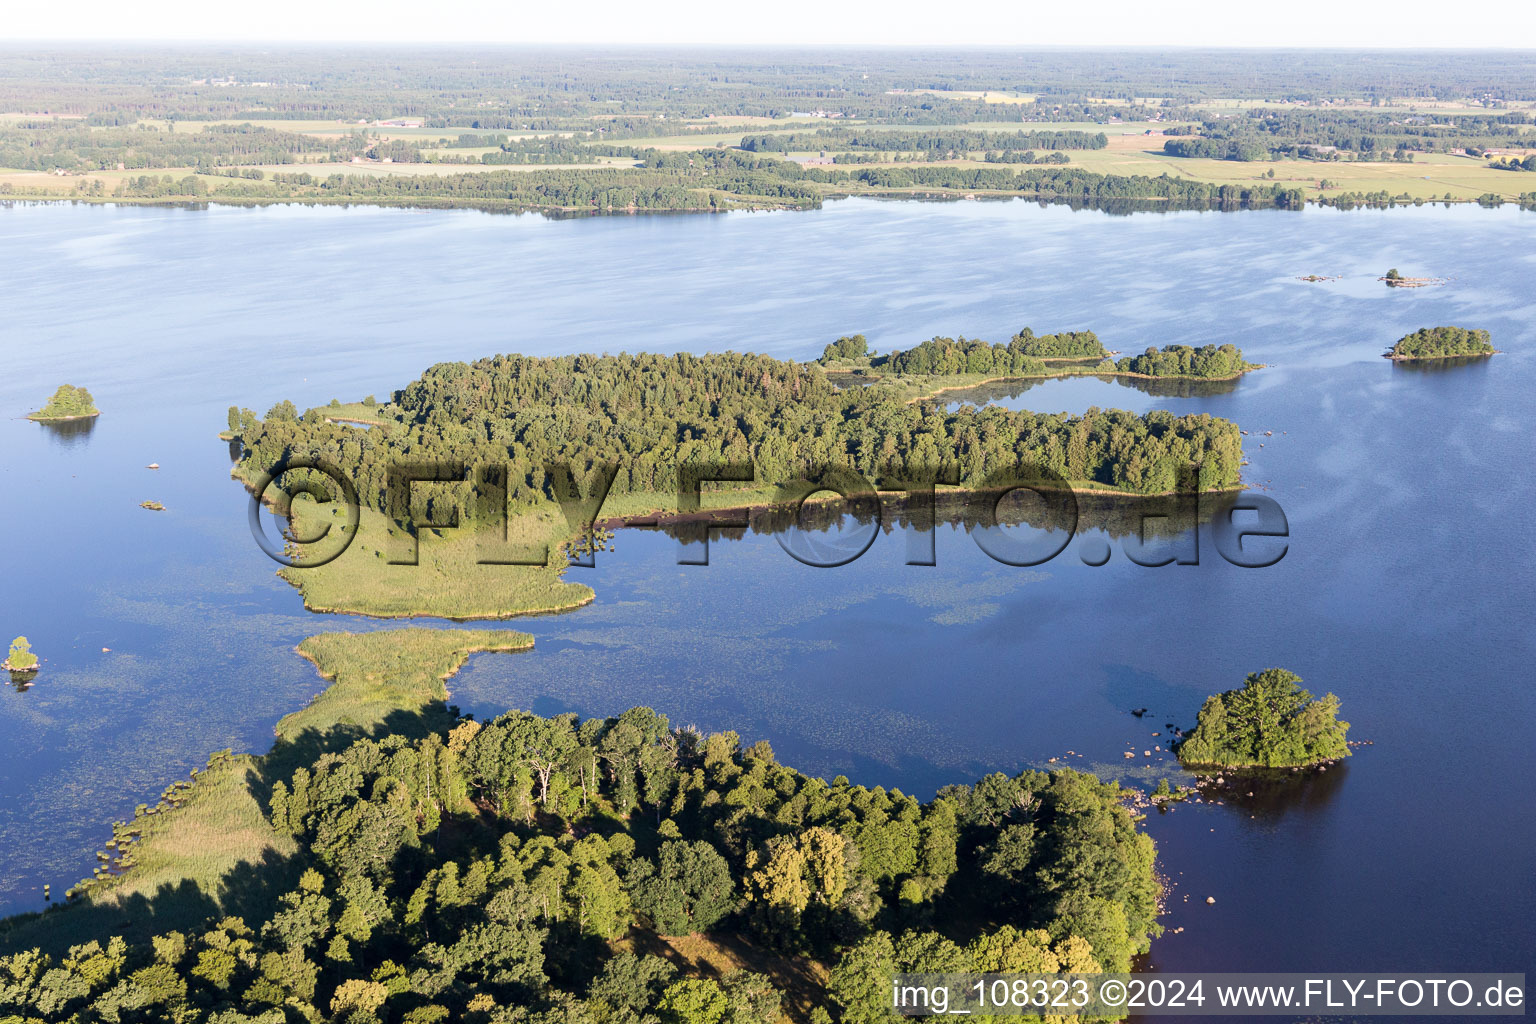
<point>694,1001</point>
<point>542,744</point>
<point>752,998</point>
<point>1393,275</point>
<point>283,412</point>
<point>633,982</point>
<point>21,658</point>
<point>1271,722</point>
<point>860,984</point>
<point>690,891</point>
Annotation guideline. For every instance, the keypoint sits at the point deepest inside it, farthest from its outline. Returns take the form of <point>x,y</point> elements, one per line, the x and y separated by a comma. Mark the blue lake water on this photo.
<point>1407,588</point>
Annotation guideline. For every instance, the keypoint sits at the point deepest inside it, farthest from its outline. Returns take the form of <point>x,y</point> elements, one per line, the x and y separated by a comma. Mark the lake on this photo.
<point>1406,590</point>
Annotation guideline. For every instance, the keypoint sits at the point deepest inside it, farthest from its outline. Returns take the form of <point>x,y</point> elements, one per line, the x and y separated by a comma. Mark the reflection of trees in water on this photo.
<point>1276,792</point>
<point>1439,365</point>
<point>22,681</point>
<point>1157,517</point>
<point>69,433</point>
<point>1003,390</point>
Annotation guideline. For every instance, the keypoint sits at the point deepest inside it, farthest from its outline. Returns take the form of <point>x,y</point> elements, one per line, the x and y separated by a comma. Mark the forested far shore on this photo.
<point>698,181</point>
<point>420,866</point>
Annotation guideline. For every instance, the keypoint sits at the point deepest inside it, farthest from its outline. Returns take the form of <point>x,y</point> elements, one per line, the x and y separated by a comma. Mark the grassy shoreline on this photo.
<point>189,854</point>
<point>36,418</point>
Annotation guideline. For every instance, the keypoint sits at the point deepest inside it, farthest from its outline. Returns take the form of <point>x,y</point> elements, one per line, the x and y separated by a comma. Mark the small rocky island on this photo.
<point>67,403</point>
<point>20,659</point>
<point>1396,280</point>
<point>1271,722</point>
<point>1441,343</point>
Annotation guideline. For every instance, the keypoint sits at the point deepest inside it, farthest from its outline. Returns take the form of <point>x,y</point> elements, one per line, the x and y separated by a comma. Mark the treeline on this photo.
<point>653,414</point>
<point>1210,361</point>
<point>1073,184</point>
<point>1514,163</point>
<point>1217,149</point>
<point>717,179</point>
<point>1023,355</point>
<point>1338,134</point>
<point>1029,156</point>
<point>1439,342</point>
<point>911,141</point>
<point>595,191</point>
<point>481,874</point>
<point>72,146</point>
<point>516,89</point>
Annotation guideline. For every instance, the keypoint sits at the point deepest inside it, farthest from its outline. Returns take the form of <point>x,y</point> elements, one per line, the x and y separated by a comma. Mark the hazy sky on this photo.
<point>1479,23</point>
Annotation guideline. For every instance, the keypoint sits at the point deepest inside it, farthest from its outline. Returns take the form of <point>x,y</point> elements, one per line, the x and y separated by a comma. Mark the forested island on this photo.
<point>1441,343</point>
<point>645,419</point>
<point>390,860</point>
<point>67,403</point>
<point>1270,722</point>
<point>20,658</point>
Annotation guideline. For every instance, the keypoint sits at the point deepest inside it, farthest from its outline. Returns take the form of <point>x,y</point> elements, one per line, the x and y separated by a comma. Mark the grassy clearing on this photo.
<point>356,412</point>
<point>802,979</point>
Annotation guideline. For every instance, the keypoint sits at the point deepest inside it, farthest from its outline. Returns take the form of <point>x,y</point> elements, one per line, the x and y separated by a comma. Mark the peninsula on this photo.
<point>392,860</point>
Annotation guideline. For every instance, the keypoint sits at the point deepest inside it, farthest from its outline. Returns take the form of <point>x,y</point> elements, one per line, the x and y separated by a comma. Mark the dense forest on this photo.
<point>511,870</point>
<point>1270,722</point>
<point>652,414</point>
<point>46,145</point>
<point>1441,342</point>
